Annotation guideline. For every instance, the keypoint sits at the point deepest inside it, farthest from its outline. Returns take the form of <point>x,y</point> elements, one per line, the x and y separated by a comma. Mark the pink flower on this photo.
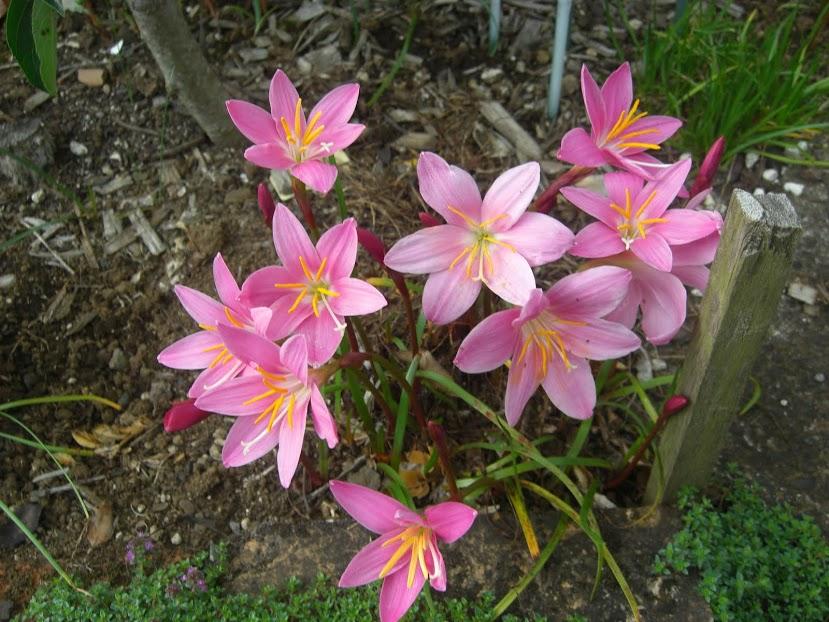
<point>619,134</point>
<point>635,218</point>
<point>550,340</point>
<point>205,349</point>
<point>490,241</point>
<point>312,291</point>
<point>284,139</point>
<point>406,553</point>
<point>271,404</point>
<point>661,295</point>
<point>183,415</point>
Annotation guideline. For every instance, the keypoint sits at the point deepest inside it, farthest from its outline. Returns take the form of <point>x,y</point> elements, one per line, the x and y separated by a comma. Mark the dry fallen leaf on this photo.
<point>100,525</point>
<point>91,77</point>
<point>105,437</point>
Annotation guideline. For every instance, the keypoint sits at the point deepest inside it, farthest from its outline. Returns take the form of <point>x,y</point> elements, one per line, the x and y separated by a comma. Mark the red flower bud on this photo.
<point>675,404</point>
<point>709,166</point>
<point>427,220</point>
<point>353,359</point>
<point>183,415</point>
<point>266,204</point>
<point>372,244</point>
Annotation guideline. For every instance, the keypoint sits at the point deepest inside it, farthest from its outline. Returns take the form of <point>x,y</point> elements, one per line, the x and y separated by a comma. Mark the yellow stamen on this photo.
<point>618,210</point>
<point>459,257</point>
<point>288,136</point>
<point>232,319</point>
<point>206,327</point>
<point>298,300</point>
<point>465,218</point>
<point>314,304</point>
<point>305,269</point>
<point>310,127</point>
<point>288,285</point>
<point>297,117</point>
<point>400,552</point>
<point>638,145</point>
<point>645,203</point>
<point>320,269</point>
<point>290,416</point>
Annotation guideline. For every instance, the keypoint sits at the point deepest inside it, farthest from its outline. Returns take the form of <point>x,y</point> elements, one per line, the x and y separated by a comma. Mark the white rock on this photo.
<point>820,377</point>
<point>37,195</point>
<point>771,174</point>
<point>7,280</point>
<point>803,145</point>
<point>758,192</point>
<point>751,159</point>
<point>803,293</point>
<point>793,188</point>
<point>491,74</point>
<point>78,149</point>
<point>175,539</point>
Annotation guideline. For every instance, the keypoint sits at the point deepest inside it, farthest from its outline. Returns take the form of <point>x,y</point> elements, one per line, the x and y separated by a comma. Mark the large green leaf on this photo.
<point>31,35</point>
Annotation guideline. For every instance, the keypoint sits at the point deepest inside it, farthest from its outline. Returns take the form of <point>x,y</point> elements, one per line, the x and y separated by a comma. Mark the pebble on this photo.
<point>91,77</point>
<point>794,188</point>
<point>7,280</point>
<point>78,149</point>
<point>118,360</point>
<point>751,159</point>
<point>175,539</point>
<point>784,402</point>
<point>491,74</point>
<point>771,174</point>
<point>804,293</point>
<point>37,196</point>
<point>35,100</point>
<point>253,55</point>
<point>820,377</point>
<point>245,524</point>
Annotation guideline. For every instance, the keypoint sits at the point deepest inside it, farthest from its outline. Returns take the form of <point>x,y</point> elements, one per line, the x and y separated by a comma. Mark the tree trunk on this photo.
<point>186,72</point>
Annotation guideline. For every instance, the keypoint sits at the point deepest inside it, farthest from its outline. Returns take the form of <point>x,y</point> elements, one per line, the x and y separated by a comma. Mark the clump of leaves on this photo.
<point>757,562</point>
<point>191,590</point>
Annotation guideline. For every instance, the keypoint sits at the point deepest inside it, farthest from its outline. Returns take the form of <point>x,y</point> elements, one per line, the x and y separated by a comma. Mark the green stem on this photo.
<point>54,448</point>
<point>414,15</point>
<point>55,399</point>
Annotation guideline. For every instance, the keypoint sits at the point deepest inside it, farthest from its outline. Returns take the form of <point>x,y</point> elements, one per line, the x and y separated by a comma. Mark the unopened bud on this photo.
<point>183,415</point>
<point>709,166</point>
<point>675,404</point>
<point>372,244</point>
<point>427,220</point>
<point>266,204</point>
<point>353,359</point>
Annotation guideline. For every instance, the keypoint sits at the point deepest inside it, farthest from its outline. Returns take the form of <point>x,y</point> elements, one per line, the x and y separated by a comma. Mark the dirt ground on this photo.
<point>87,309</point>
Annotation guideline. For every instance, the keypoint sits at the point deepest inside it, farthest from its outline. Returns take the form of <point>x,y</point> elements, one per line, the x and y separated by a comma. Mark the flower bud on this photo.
<point>372,244</point>
<point>266,204</point>
<point>709,166</point>
<point>427,220</point>
<point>353,359</point>
<point>675,404</point>
<point>183,415</point>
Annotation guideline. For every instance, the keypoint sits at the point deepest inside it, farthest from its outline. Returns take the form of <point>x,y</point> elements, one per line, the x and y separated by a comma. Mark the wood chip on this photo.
<point>100,525</point>
<point>114,185</point>
<point>419,141</point>
<point>91,77</point>
<point>146,232</point>
<point>501,120</point>
<point>803,293</point>
<point>126,238</point>
<point>78,325</point>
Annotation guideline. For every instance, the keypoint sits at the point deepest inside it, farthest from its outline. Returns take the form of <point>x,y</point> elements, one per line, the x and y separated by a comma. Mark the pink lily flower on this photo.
<point>406,553</point>
<point>620,134</point>
<point>550,340</point>
<point>312,292</point>
<point>284,139</point>
<point>205,349</point>
<point>661,295</point>
<point>271,405</point>
<point>636,218</point>
<point>490,241</point>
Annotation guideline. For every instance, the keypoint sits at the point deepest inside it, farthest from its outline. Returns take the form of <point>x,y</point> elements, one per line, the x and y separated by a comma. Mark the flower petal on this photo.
<point>269,155</point>
<point>510,276</point>
<point>489,344</point>
<point>226,285</point>
<point>230,398</point>
<point>599,340</point>
<point>373,510</point>
<point>258,289</point>
<point>697,253</point>
<point>282,97</point>
<point>659,129</point>
<point>510,195</point>
<point>250,348</point>
<point>356,297</point>
<point>663,306</point>
<point>201,307</point>
<point>538,238</point>
<point>216,376</point>
<point>616,184</point>
<point>395,595</point>
<point>293,354</point>
<point>617,93</point>
<point>573,390</point>
<point>291,241</point>
<point>449,294</point>
<point>429,250</point>
<point>336,139</point>
<point>319,176</point>
<point>577,147</point>
<point>593,101</point>
<point>654,251</point>
<point>194,351</point>
<point>337,106</point>
<point>254,123</point>
<point>339,245</point>
<point>291,435</point>
<point>245,430</point>
<point>324,424</point>
<point>322,336</point>
<point>450,520</point>
<point>596,205</point>
<point>666,188</point>
<point>443,186</point>
<point>597,240</point>
<point>684,226</point>
<point>591,293</point>
<point>692,276</point>
<point>522,381</point>
<point>366,565</point>
<point>283,320</point>
<point>625,314</point>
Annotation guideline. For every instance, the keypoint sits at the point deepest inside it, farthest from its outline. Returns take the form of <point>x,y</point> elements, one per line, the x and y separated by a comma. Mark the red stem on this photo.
<point>547,200</point>
<point>301,196</point>
<point>438,437</point>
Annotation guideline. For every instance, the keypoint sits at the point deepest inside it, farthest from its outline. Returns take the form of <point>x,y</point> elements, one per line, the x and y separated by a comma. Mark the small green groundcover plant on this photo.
<point>757,562</point>
<point>192,590</point>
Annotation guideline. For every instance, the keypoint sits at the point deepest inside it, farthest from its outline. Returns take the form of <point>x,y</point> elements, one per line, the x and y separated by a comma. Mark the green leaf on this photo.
<point>44,32</point>
<point>31,36</point>
<point>55,5</point>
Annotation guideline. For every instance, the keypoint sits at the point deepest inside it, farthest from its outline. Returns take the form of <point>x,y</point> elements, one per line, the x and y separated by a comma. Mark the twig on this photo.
<point>60,260</point>
<point>357,464</point>
<point>136,128</point>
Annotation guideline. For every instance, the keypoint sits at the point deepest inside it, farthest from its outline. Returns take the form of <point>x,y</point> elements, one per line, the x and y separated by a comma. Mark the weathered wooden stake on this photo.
<point>747,276</point>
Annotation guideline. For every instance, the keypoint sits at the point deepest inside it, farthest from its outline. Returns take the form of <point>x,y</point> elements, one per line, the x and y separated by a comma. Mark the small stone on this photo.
<point>235,527</point>
<point>118,360</point>
<point>175,540</point>
<point>758,192</point>
<point>114,185</point>
<point>78,149</point>
<point>751,159</point>
<point>215,453</point>
<point>820,377</point>
<point>245,524</point>
<point>253,55</point>
<point>793,188</point>
<point>569,84</point>
<point>35,100</point>
<point>491,74</point>
<point>659,365</point>
<point>542,57</point>
<point>803,145</point>
<point>37,196</point>
<point>771,174</point>
<point>784,402</point>
<point>803,293</point>
<point>635,24</point>
<point>187,506</point>
<point>91,77</point>
<point>7,280</point>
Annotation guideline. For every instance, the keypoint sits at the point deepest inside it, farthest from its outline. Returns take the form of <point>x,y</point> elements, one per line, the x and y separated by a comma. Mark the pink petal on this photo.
<point>597,240</point>
<point>429,250</point>
<point>230,398</point>
<point>356,297</point>
<point>269,155</point>
<point>194,351</point>
<point>599,340</point>
<point>625,314</point>
<point>366,565</point>
<point>573,390</point>
<point>450,520</point>
<point>291,435</point>
<point>666,187</point>
<point>616,184</point>
<point>510,276</point>
<point>261,319</point>
<point>536,303</point>
<point>684,226</point>
<point>510,195</point>
<point>254,123</point>
<point>449,294</point>
<point>489,344</point>
<point>443,186</point>
<point>215,376</point>
<point>692,276</point>
<point>245,429</point>
<point>593,102</point>
<point>591,293</point>
<point>284,323</point>
<point>339,245</point>
<point>324,424</point>
<point>396,597</point>
<point>282,95</point>
<point>251,348</point>
<point>322,336</point>
<point>319,176</point>
<point>697,253</point>
<point>292,242</point>
<point>337,106</point>
<point>596,205</point>
<point>339,138</point>
<point>522,381</point>
<point>617,93</point>
<point>293,354</point>
<point>201,307</point>
<point>373,510</point>
<point>438,581</point>
<point>663,306</point>
<point>654,251</point>
<point>226,285</point>
<point>637,163</point>
<point>538,238</point>
<point>659,130</point>
<point>258,289</point>
<point>577,147</point>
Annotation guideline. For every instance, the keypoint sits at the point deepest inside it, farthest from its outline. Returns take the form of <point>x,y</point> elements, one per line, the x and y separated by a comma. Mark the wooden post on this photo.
<point>747,276</point>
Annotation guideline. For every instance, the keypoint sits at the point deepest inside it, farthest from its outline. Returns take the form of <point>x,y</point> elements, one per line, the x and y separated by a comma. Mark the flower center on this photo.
<point>282,392</point>
<point>632,225</point>
<point>623,139</point>
<point>415,540</point>
<point>478,252</point>
<point>299,138</point>
<point>543,341</point>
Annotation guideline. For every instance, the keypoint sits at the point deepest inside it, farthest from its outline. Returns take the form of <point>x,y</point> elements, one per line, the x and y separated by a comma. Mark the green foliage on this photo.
<point>756,562</point>
<point>759,85</point>
<point>191,590</point>
<point>31,35</point>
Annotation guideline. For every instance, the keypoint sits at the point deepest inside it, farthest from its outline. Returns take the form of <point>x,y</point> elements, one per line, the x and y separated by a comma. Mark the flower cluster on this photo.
<point>266,349</point>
